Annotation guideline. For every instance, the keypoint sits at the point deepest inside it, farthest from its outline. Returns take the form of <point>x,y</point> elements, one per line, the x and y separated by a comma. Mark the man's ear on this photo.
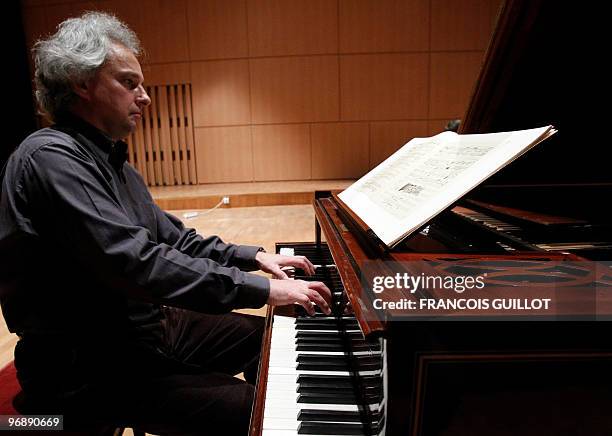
<point>82,89</point>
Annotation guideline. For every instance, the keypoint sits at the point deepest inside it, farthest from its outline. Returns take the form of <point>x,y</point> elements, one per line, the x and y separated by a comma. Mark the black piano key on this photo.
<point>341,397</point>
<point>337,398</point>
<point>329,319</point>
<point>335,282</point>
<point>337,366</point>
<point>327,387</point>
<point>337,308</point>
<point>332,428</point>
<point>330,389</point>
<point>338,347</point>
<point>322,366</point>
<point>318,415</point>
<point>314,384</point>
<point>322,338</point>
<point>339,388</point>
<point>334,346</point>
<point>333,339</point>
<point>344,323</point>
<point>325,324</point>
<point>350,342</point>
<point>358,360</point>
<point>307,334</point>
<point>322,380</point>
<point>310,415</point>
<point>318,313</point>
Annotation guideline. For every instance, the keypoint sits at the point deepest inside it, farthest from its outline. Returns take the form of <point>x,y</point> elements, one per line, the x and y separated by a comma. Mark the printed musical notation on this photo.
<point>421,171</point>
<point>428,174</point>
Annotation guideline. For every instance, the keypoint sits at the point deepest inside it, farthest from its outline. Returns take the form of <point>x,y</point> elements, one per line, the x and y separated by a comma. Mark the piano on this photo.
<point>364,371</point>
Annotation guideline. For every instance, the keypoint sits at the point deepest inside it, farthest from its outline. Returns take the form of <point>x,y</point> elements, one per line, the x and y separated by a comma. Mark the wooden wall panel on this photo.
<point>303,77</point>
<point>298,27</point>
<point>294,89</point>
<point>383,86</point>
<point>388,136</point>
<point>57,13</point>
<point>41,21</point>
<point>340,150</point>
<point>220,93</point>
<point>167,74</point>
<point>282,152</point>
<point>384,25</point>
<point>464,25</point>
<point>161,26</point>
<point>452,78</point>
<point>225,154</point>
<point>217,29</point>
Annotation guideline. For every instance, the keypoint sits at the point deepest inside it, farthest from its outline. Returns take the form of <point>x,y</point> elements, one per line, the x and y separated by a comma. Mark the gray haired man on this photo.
<point>123,313</point>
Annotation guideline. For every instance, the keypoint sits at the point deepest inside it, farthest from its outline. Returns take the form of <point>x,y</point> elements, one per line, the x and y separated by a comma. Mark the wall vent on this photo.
<point>162,147</point>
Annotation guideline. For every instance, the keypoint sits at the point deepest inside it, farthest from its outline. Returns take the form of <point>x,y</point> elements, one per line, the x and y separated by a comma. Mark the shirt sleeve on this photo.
<point>77,209</point>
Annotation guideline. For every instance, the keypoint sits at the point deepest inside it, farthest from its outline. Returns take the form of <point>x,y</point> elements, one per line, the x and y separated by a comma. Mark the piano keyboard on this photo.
<point>566,239</point>
<point>311,379</point>
<point>324,378</point>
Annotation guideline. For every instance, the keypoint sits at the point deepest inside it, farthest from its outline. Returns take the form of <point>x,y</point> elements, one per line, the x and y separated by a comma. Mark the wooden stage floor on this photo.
<point>243,194</point>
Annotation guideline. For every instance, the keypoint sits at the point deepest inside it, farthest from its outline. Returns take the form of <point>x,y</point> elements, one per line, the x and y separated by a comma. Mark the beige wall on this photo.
<point>303,89</point>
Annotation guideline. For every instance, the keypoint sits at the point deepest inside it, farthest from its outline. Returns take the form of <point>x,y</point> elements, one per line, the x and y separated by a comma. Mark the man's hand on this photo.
<point>272,263</point>
<point>283,292</point>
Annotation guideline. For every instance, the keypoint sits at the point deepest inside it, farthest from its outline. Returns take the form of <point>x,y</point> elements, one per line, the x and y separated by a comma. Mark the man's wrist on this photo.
<point>259,255</point>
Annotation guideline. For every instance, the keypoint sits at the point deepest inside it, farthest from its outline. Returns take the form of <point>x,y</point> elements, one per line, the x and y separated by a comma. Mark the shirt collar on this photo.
<point>116,151</point>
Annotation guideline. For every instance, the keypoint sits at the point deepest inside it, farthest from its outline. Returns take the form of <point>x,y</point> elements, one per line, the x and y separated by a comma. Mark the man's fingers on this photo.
<point>319,301</point>
<point>304,301</point>
<point>321,289</point>
<point>279,273</point>
<point>301,262</point>
<point>308,266</point>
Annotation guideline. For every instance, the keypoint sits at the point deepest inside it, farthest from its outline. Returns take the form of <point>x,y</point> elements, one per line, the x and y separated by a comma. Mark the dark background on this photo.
<point>20,118</point>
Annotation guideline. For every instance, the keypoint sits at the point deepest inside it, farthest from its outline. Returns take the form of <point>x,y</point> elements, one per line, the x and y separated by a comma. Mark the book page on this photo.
<point>427,175</point>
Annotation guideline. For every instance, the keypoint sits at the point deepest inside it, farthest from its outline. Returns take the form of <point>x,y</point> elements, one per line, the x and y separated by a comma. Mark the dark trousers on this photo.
<point>187,388</point>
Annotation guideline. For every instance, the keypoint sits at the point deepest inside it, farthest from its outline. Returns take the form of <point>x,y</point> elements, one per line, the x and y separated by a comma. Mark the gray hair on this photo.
<point>73,55</point>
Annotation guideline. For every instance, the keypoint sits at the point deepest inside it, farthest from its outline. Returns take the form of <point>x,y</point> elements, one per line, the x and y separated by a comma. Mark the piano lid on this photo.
<point>536,72</point>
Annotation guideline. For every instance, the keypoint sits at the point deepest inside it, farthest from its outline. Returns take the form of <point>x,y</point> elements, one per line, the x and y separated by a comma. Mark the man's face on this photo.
<point>115,98</point>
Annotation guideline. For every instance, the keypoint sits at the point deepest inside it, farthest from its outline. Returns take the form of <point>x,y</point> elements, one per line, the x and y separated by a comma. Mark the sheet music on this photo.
<point>428,174</point>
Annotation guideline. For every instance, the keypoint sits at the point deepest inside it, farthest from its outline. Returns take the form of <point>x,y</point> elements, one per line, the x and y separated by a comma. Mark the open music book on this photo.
<point>427,175</point>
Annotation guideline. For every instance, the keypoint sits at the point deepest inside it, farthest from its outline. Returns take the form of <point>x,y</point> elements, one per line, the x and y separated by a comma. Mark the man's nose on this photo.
<point>143,98</point>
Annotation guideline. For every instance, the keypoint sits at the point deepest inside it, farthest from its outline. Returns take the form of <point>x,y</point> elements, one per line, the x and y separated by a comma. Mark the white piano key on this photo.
<point>287,251</point>
<point>279,404</point>
<point>281,378</point>
<point>289,350</point>
<point>277,389</point>
<point>270,432</point>
<point>283,319</point>
<point>290,396</point>
<point>273,423</point>
<point>296,372</point>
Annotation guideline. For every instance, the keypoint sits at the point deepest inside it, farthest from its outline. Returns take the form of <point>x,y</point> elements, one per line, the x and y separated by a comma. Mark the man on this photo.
<point>90,265</point>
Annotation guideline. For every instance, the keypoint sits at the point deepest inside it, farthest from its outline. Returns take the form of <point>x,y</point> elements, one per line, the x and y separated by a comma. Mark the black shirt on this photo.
<point>87,256</point>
